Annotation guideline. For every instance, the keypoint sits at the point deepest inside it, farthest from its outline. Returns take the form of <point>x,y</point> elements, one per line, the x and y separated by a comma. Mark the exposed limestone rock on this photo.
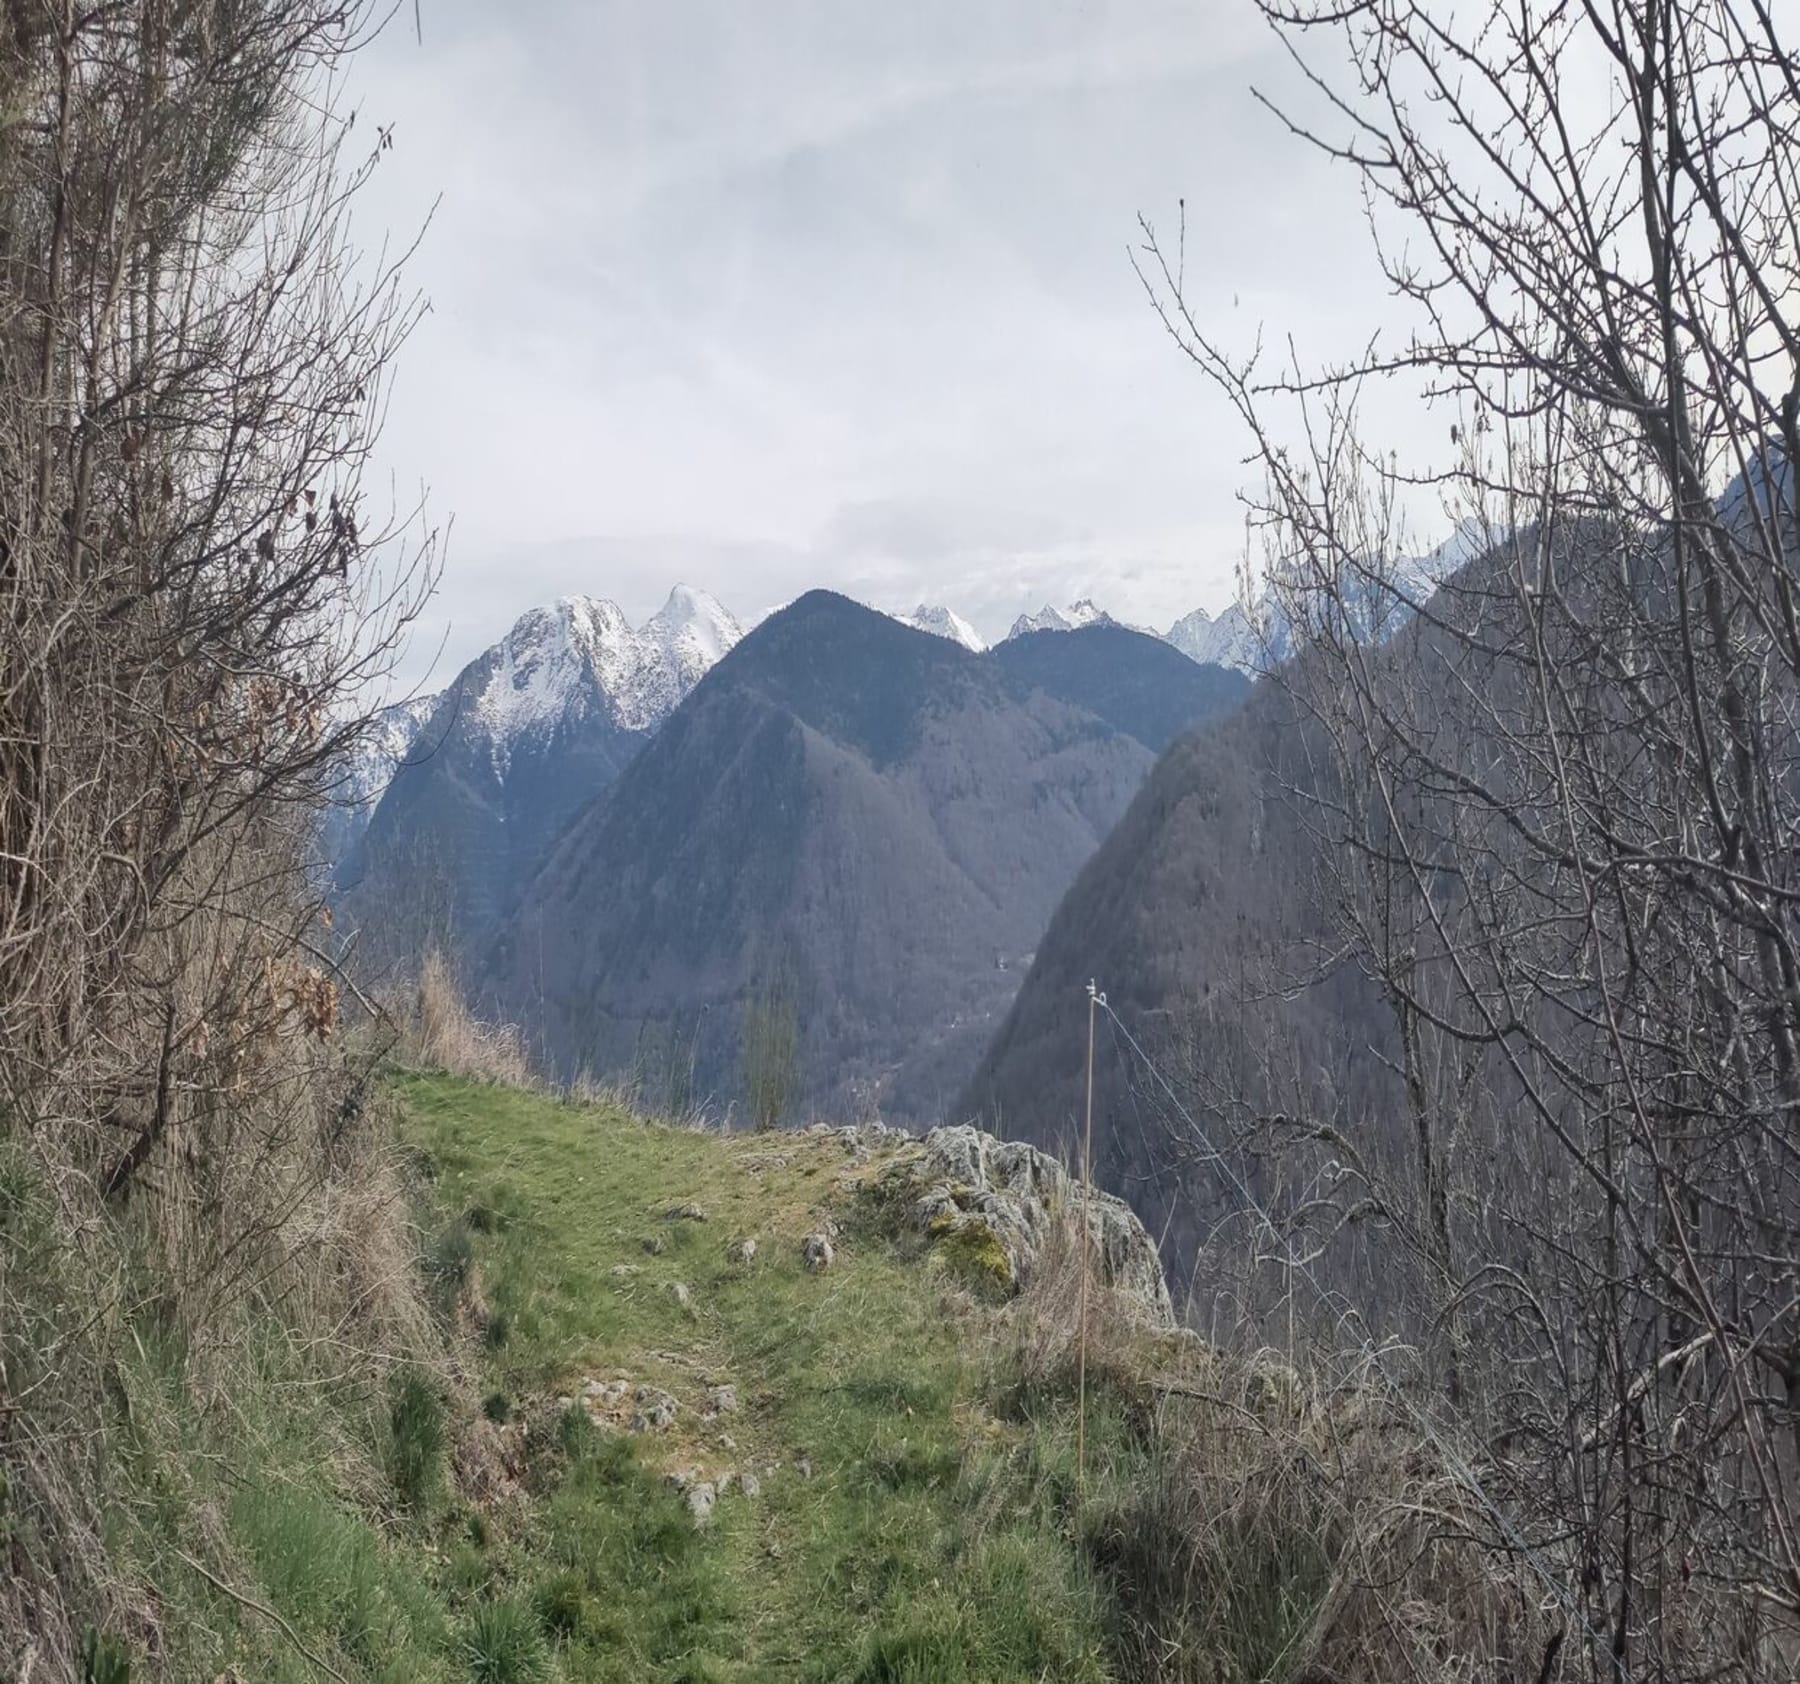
<point>999,1200</point>
<point>685,1213</point>
<point>604,1394</point>
<point>655,1411</point>
<point>741,1251</point>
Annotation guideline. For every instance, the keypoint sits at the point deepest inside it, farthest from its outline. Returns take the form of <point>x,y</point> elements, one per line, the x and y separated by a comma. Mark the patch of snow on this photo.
<point>1232,639</point>
<point>1253,640</point>
<point>944,622</point>
<point>560,664</point>
<point>1049,618</point>
<point>369,768</point>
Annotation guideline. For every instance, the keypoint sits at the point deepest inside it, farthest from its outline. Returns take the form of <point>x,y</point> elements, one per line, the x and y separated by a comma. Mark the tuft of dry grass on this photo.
<point>445,1035</point>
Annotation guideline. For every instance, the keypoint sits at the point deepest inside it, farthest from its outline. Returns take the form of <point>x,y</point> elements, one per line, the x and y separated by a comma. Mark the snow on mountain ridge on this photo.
<point>944,622</point>
<point>371,764</point>
<point>1229,640</point>
<point>1050,618</point>
<point>560,662</point>
<point>1254,639</point>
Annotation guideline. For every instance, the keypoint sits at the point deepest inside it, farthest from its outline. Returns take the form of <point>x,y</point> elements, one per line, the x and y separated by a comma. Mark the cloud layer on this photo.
<point>814,292</point>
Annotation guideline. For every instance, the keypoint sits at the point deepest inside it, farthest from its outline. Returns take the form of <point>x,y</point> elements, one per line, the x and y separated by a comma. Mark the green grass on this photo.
<point>917,1519</point>
<point>449,1512</point>
<point>933,1538</point>
<point>416,1441</point>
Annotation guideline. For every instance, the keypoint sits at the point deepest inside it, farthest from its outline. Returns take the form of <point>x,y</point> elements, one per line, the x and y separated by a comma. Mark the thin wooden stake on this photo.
<point>1087,1182</point>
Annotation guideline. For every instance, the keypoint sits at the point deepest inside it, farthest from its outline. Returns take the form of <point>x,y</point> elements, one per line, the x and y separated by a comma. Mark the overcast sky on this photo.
<point>836,292</point>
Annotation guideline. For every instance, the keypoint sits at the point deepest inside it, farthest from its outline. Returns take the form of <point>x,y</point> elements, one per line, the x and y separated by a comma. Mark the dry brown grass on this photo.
<point>446,1035</point>
<point>1284,1522</point>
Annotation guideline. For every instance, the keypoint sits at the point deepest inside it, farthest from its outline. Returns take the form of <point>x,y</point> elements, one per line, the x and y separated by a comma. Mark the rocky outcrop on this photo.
<point>999,1202</point>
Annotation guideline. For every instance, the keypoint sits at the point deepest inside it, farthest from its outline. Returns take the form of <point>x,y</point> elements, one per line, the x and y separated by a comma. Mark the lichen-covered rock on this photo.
<point>994,1203</point>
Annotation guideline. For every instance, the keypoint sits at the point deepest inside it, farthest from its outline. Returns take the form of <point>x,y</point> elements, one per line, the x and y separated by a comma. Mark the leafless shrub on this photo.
<point>1558,831</point>
<point>197,600</point>
<point>1277,1521</point>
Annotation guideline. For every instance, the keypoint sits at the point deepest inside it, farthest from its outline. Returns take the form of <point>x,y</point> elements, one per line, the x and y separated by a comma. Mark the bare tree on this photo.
<point>196,594</point>
<point>196,602</point>
<point>1562,815</point>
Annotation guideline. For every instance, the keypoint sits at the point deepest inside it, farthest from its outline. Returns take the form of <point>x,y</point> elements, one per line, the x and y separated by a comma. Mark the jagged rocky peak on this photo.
<point>695,629</point>
<point>580,653</point>
<point>945,622</point>
<point>1190,631</point>
<point>1086,612</point>
<point>1228,639</point>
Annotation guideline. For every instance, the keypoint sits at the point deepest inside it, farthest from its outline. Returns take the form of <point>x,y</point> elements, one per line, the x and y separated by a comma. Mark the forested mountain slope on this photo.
<point>862,825</point>
<point>527,733</point>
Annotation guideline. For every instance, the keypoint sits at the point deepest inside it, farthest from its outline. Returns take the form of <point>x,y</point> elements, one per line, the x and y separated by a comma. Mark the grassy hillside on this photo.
<point>904,1524</point>
<point>630,1451</point>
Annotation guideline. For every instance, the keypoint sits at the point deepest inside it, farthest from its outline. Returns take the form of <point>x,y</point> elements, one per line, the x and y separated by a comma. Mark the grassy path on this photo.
<point>900,1529</point>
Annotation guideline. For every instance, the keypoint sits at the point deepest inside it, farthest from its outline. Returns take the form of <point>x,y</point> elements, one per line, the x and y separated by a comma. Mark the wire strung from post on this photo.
<point>1095,999</point>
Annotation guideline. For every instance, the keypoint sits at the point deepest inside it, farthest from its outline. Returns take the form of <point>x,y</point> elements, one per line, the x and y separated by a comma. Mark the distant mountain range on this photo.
<point>625,835</point>
<point>872,824</point>
<point>499,761</point>
<point>643,673</point>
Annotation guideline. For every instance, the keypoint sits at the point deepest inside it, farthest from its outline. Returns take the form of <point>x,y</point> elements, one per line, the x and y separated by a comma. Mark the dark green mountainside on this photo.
<point>862,822</point>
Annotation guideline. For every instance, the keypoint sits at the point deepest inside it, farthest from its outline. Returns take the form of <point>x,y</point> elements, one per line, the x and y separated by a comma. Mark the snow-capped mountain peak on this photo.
<point>694,627</point>
<point>580,654</point>
<point>1050,618</point>
<point>944,622</point>
<point>1253,639</point>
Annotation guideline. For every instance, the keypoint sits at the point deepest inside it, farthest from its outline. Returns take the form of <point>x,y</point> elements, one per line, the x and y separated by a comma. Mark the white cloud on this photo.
<point>838,292</point>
